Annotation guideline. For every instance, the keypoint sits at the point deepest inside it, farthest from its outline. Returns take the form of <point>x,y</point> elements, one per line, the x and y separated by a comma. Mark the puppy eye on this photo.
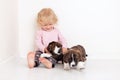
<point>70,59</point>
<point>60,50</point>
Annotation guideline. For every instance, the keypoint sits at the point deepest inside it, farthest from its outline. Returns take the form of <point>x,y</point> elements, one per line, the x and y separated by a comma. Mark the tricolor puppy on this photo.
<point>75,57</point>
<point>55,48</point>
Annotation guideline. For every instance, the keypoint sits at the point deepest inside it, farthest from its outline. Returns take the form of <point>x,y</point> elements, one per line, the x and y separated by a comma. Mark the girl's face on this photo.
<point>48,27</point>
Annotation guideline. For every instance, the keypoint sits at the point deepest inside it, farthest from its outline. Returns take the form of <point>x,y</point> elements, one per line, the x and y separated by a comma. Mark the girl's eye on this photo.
<point>45,25</point>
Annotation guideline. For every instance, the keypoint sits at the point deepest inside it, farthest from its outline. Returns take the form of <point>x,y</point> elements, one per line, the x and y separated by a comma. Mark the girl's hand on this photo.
<point>64,50</point>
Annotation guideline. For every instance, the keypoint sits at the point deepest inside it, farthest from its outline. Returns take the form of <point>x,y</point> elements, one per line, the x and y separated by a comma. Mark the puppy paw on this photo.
<point>66,66</point>
<point>81,65</point>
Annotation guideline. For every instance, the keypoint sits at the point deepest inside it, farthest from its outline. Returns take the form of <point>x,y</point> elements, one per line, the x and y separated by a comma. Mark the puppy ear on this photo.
<point>82,58</point>
<point>50,48</point>
<point>66,57</point>
<point>77,55</point>
<point>58,44</point>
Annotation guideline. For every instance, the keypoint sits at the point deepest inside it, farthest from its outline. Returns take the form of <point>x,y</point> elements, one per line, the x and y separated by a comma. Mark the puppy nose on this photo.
<point>73,65</point>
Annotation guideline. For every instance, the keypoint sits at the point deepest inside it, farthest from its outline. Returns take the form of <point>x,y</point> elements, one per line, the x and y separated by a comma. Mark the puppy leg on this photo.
<point>81,65</point>
<point>66,66</point>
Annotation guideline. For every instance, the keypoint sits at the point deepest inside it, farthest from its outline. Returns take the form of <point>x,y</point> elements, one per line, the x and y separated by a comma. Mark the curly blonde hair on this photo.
<point>46,16</point>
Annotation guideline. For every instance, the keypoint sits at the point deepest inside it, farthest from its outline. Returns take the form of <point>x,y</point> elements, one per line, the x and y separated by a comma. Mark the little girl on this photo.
<point>48,33</point>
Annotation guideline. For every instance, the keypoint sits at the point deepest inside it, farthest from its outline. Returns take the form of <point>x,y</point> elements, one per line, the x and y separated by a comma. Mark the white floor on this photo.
<point>16,69</point>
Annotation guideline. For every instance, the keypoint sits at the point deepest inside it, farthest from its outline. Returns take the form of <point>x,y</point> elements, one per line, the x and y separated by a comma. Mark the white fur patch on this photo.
<point>66,66</point>
<point>45,55</point>
<point>81,65</point>
<point>73,62</point>
<point>56,50</point>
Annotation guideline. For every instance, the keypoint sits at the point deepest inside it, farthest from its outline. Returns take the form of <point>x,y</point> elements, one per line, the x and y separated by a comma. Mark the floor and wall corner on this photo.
<point>96,26</point>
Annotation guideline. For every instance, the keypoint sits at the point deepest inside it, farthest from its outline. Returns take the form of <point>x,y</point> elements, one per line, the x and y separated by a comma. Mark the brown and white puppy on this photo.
<point>75,57</point>
<point>55,48</point>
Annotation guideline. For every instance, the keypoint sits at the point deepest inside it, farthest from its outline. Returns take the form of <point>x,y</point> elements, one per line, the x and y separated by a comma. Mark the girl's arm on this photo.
<point>62,41</point>
<point>39,41</point>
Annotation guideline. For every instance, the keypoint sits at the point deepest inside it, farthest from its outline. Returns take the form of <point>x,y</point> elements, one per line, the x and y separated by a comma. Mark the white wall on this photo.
<point>95,24</point>
<point>8,29</point>
<point>91,23</point>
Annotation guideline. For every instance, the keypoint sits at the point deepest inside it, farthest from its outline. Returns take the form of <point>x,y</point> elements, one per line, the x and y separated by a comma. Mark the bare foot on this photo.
<point>46,62</point>
<point>30,59</point>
